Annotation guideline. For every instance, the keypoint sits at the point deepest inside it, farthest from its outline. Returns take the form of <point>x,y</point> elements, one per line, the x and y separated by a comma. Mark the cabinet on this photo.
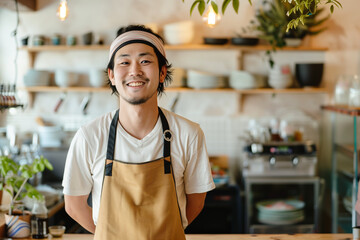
<point>340,176</point>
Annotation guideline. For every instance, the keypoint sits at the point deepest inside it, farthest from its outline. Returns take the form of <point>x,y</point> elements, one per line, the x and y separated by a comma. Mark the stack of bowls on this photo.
<point>245,80</point>
<point>200,79</point>
<point>65,78</point>
<point>179,32</point>
<point>280,77</point>
<point>36,78</point>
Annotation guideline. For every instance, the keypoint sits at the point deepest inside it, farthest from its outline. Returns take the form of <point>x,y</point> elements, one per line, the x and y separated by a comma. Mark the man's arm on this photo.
<point>78,209</point>
<point>194,205</point>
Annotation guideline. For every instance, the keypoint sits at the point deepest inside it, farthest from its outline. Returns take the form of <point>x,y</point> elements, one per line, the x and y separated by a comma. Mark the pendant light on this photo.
<point>211,17</point>
<point>63,10</point>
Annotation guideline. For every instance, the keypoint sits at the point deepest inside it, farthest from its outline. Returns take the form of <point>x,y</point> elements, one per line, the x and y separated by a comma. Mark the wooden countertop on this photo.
<point>317,236</point>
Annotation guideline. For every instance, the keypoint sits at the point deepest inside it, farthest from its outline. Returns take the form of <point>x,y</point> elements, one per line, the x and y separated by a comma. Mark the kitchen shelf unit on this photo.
<point>34,50</point>
<point>351,152</point>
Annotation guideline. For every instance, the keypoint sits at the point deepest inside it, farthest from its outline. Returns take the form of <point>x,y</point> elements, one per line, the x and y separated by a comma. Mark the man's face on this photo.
<point>136,73</point>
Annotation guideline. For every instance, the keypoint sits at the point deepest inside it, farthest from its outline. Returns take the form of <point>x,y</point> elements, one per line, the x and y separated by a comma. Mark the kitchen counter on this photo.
<point>317,236</point>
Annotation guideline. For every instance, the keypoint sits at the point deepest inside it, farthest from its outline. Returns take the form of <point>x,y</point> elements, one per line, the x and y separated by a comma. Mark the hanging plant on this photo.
<point>298,13</point>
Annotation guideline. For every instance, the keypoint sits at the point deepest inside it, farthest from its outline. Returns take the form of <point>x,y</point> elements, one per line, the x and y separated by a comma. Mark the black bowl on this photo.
<point>245,41</point>
<point>215,41</point>
<point>309,74</point>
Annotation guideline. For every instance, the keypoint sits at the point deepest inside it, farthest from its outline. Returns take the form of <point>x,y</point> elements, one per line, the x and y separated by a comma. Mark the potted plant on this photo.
<point>272,24</point>
<point>14,180</point>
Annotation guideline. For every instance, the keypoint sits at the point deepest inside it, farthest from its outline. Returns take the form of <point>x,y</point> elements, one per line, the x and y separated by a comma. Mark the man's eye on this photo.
<point>124,63</point>
<point>145,61</point>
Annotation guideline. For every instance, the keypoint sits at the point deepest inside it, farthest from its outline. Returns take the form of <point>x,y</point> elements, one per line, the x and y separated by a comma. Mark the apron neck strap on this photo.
<point>112,135</point>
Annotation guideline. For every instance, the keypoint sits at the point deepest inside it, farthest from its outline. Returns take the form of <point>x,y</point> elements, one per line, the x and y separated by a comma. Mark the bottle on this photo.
<point>39,220</point>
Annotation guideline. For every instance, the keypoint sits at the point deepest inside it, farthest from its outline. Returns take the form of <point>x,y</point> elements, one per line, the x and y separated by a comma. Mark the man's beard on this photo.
<point>138,101</point>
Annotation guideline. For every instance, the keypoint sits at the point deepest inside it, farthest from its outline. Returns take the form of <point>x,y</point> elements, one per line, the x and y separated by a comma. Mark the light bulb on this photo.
<point>63,10</point>
<point>211,18</point>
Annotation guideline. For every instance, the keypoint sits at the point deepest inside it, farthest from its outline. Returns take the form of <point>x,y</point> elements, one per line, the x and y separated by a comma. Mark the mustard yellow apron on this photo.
<point>138,200</point>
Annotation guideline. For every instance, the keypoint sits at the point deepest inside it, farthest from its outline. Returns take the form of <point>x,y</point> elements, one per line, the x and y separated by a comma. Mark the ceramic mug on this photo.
<point>70,40</point>
<point>97,77</point>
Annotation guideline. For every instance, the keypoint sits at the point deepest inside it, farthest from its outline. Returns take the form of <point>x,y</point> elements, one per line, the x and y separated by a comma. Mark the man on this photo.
<point>147,168</point>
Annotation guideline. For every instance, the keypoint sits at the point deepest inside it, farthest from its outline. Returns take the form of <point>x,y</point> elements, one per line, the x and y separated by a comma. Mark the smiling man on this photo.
<point>147,169</point>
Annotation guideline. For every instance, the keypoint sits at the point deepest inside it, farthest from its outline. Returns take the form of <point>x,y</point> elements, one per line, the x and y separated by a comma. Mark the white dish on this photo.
<point>179,32</point>
<point>200,79</point>
<point>65,78</point>
<point>36,78</point>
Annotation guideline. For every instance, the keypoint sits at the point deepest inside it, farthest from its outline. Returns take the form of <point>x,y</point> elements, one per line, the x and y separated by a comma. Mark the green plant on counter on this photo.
<point>272,25</point>
<point>14,178</point>
<point>298,13</point>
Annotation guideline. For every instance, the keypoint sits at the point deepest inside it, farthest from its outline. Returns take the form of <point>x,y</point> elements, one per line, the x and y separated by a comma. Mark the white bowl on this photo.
<point>65,78</point>
<point>200,79</point>
<point>36,78</point>
<point>280,84</point>
<point>97,78</point>
<point>179,33</point>
<point>242,80</point>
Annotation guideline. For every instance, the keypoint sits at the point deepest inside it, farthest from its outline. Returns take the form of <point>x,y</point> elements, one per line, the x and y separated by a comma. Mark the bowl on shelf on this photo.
<point>247,41</point>
<point>36,78</point>
<point>215,41</point>
<point>65,78</point>
<point>201,80</point>
<point>245,80</point>
<point>97,78</point>
<point>309,74</point>
<point>179,32</point>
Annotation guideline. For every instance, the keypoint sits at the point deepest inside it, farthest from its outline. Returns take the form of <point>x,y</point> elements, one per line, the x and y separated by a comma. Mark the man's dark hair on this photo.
<point>161,59</point>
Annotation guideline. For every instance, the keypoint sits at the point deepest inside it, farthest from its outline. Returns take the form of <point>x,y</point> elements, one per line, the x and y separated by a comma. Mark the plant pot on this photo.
<point>18,224</point>
<point>309,74</point>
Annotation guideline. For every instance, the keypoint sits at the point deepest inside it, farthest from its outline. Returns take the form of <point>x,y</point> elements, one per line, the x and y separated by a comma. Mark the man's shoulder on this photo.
<point>181,122</point>
<point>98,125</point>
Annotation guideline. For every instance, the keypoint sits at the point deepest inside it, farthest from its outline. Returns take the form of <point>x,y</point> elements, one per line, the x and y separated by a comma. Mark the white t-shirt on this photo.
<point>84,166</point>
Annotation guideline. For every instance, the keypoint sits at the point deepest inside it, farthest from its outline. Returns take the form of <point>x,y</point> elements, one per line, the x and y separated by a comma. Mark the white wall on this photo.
<point>225,120</point>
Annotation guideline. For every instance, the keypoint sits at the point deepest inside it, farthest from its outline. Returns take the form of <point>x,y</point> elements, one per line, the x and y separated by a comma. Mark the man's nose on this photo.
<point>135,70</point>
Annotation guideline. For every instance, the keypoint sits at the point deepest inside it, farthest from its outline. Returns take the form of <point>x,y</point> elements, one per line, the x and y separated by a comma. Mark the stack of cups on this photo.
<point>280,77</point>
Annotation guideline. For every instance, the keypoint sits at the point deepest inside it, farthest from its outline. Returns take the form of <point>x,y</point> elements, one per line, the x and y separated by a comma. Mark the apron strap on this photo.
<point>112,137</point>
<point>166,132</point>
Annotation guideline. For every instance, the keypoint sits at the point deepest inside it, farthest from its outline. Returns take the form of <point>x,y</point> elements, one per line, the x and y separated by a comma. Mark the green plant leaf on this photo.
<point>193,6</point>
<point>332,8</point>
<point>201,7</point>
<point>224,5</point>
<point>236,4</point>
<point>215,7</point>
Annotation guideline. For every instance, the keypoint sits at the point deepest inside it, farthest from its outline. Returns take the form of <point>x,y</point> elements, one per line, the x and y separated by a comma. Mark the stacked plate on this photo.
<point>37,78</point>
<point>280,212</point>
<point>245,80</point>
<point>199,79</point>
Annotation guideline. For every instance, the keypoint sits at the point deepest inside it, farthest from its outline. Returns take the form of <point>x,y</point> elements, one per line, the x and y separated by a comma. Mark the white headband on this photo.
<point>136,35</point>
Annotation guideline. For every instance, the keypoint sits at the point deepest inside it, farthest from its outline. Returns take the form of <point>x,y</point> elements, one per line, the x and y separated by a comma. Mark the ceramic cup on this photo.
<point>70,40</point>
<point>87,38</point>
<point>97,78</point>
<point>56,39</point>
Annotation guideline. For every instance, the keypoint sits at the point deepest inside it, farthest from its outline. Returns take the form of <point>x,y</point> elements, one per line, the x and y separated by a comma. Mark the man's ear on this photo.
<point>111,76</point>
<point>163,73</point>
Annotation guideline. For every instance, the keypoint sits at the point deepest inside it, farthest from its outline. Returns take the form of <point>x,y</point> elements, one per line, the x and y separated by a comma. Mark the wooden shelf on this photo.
<point>255,91</point>
<point>352,111</point>
<point>65,89</point>
<point>244,91</point>
<point>35,49</point>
